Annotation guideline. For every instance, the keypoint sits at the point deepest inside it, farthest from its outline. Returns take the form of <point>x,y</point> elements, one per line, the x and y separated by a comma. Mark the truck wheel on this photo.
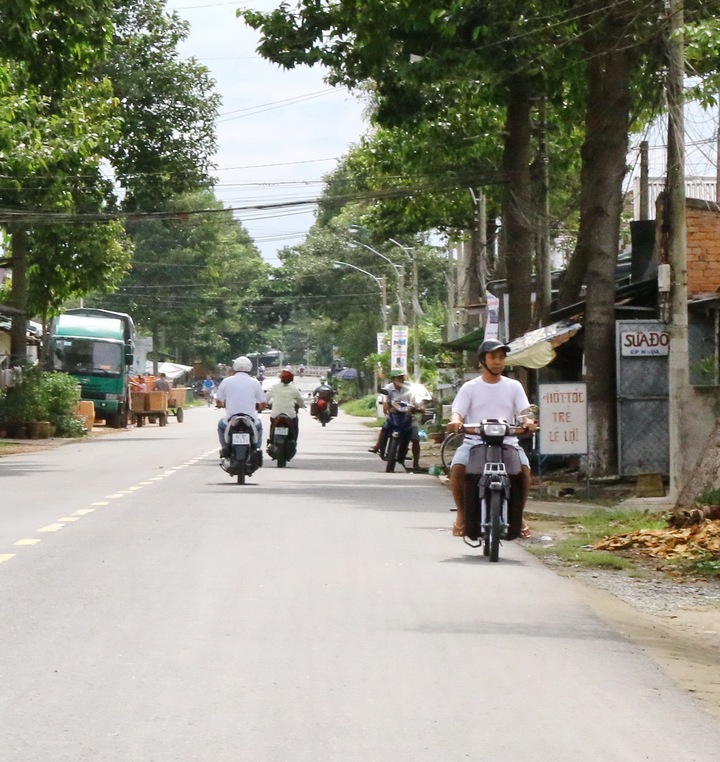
<point>139,420</point>
<point>162,419</point>
<point>179,414</point>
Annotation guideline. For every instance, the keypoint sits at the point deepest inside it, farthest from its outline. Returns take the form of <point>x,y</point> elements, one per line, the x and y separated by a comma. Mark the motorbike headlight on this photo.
<point>494,429</point>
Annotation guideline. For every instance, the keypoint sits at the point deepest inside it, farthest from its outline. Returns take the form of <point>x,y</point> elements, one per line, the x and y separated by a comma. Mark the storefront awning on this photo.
<point>535,349</point>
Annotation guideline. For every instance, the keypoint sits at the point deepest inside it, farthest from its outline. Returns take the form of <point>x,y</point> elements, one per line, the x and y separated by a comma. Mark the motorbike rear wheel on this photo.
<point>495,521</point>
<point>391,455</point>
<point>241,472</point>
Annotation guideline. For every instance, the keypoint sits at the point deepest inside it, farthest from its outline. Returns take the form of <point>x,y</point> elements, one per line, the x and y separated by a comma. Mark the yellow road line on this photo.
<point>29,541</point>
<point>6,556</point>
<point>83,511</point>
<point>51,528</point>
<point>69,518</point>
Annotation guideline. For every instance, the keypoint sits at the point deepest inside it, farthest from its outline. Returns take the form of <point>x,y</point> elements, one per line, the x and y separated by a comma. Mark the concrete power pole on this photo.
<point>678,368</point>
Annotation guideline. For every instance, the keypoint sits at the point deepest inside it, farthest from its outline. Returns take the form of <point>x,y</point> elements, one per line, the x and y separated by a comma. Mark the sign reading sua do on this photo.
<point>644,342</point>
<point>563,419</point>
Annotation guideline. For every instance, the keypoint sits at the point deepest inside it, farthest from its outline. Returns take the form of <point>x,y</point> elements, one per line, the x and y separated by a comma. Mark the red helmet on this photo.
<point>286,376</point>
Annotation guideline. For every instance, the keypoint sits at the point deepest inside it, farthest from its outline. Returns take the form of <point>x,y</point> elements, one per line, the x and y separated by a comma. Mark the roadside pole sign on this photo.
<point>563,419</point>
<point>399,348</point>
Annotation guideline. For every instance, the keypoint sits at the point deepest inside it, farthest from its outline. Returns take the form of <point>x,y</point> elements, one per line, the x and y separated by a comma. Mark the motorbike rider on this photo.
<point>490,395</point>
<point>240,393</point>
<point>285,398</point>
<point>323,390</point>
<point>398,391</point>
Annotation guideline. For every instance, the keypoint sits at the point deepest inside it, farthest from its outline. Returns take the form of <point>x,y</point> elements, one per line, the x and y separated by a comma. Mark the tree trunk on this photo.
<point>517,206</point>
<point>595,259</point>
<point>19,295</point>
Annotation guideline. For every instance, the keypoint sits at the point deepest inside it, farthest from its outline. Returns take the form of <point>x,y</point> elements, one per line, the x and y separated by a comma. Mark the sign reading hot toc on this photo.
<point>563,419</point>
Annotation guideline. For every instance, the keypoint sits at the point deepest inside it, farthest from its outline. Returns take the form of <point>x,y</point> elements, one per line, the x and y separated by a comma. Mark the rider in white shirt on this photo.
<point>240,393</point>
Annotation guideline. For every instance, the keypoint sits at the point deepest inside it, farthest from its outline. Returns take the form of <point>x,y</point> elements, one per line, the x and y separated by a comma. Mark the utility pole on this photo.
<point>678,370</point>
<point>644,182</point>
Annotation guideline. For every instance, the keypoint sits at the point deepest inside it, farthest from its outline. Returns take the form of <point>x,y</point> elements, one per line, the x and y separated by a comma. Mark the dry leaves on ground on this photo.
<point>690,542</point>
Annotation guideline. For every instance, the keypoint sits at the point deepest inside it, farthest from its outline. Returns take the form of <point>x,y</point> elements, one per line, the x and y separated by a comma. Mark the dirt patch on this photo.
<point>673,617</point>
<point>20,446</point>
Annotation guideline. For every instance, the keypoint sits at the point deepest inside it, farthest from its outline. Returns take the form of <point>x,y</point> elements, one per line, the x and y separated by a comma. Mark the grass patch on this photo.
<point>364,407</point>
<point>581,532</point>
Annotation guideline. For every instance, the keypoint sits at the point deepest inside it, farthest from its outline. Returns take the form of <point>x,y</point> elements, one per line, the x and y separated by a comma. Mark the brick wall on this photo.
<point>703,246</point>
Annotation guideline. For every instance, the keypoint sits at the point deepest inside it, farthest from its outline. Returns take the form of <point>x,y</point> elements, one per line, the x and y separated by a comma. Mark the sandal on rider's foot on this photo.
<point>418,470</point>
<point>524,531</point>
<point>458,531</point>
<point>375,450</point>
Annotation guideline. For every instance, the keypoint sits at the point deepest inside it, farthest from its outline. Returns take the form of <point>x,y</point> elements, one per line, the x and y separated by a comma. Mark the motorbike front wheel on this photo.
<point>391,455</point>
<point>495,522</point>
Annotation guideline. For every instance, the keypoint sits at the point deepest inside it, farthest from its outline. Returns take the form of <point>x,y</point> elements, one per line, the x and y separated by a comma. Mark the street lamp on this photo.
<point>381,284</point>
<point>399,272</point>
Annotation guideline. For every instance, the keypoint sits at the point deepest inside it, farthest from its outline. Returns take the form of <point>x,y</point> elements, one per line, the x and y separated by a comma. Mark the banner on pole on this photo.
<point>493,316</point>
<point>399,348</point>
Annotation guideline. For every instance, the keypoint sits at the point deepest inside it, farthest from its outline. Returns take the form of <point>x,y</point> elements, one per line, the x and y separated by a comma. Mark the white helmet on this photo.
<point>242,364</point>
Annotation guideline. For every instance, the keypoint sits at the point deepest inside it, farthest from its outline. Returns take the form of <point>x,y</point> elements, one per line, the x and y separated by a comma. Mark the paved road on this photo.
<point>153,610</point>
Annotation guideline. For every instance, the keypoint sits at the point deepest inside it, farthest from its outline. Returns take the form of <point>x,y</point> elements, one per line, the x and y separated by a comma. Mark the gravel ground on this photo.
<point>653,595</point>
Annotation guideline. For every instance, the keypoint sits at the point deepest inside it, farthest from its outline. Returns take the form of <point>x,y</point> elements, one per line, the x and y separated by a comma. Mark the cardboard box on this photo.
<point>86,412</point>
<point>157,401</point>
<point>137,402</point>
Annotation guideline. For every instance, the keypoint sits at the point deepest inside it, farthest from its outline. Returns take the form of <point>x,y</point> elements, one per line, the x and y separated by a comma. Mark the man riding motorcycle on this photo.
<point>394,392</point>
<point>490,395</point>
<point>285,398</point>
<point>240,393</point>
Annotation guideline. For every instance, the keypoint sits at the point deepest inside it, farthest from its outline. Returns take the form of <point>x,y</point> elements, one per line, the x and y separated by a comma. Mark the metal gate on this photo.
<point>642,396</point>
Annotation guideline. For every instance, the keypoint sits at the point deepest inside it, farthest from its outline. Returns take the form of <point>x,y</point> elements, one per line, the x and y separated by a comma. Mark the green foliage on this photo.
<point>41,396</point>
<point>364,407</point>
<point>195,281</point>
<point>167,105</point>
<point>710,496</point>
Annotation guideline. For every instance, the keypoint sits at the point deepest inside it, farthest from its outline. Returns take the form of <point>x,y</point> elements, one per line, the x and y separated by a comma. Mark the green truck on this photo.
<point>98,348</point>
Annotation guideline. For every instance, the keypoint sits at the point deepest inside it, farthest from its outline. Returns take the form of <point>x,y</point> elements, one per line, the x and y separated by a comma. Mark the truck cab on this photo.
<point>96,347</point>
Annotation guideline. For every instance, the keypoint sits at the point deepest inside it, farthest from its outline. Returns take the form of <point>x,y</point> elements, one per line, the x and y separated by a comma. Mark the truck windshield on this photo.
<point>86,357</point>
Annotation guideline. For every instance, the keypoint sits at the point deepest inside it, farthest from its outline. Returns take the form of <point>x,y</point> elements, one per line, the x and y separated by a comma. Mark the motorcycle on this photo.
<point>399,430</point>
<point>324,409</point>
<point>493,487</point>
<point>241,456</point>
<point>282,444</point>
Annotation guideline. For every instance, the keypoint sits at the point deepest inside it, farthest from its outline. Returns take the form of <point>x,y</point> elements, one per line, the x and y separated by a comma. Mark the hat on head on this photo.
<point>242,364</point>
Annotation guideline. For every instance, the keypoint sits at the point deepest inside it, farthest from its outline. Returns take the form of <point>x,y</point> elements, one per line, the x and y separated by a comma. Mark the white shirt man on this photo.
<point>240,393</point>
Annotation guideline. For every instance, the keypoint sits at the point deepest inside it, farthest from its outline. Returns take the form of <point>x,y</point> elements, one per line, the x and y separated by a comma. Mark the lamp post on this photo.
<point>399,272</point>
<point>410,253</point>
<point>381,284</point>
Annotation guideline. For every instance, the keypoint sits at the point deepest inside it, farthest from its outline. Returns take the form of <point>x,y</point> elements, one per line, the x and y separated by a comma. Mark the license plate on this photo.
<point>241,439</point>
<point>282,431</point>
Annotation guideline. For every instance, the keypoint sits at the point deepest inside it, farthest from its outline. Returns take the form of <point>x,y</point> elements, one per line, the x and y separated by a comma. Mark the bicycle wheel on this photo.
<point>494,528</point>
<point>449,445</point>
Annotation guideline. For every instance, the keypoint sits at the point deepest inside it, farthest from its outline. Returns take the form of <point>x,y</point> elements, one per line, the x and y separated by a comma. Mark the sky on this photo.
<point>279,131</point>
